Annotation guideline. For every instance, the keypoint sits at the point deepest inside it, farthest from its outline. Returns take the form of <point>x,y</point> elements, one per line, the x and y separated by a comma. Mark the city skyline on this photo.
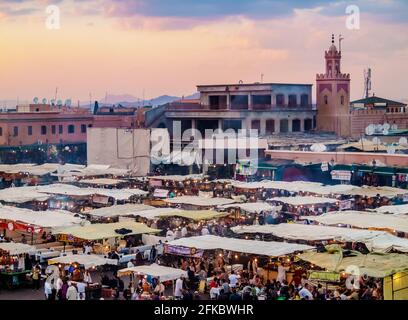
<point>152,48</point>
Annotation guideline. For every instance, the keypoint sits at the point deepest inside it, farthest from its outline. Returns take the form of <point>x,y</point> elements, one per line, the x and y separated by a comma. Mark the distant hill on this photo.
<point>125,100</point>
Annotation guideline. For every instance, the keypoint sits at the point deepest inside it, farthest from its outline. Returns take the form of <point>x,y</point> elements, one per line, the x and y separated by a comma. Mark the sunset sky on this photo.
<point>169,46</point>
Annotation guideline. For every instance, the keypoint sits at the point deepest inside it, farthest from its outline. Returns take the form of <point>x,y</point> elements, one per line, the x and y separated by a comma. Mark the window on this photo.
<point>71,128</point>
<point>270,126</point>
<point>304,100</point>
<point>342,100</point>
<point>296,125</point>
<point>60,129</point>
<point>292,100</point>
<point>43,130</point>
<point>1,131</point>
<point>30,130</point>
<point>284,125</point>
<point>15,131</point>
<point>53,129</point>
<point>326,100</point>
<point>83,128</point>
<point>90,125</point>
<point>256,125</point>
<point>280,100</point>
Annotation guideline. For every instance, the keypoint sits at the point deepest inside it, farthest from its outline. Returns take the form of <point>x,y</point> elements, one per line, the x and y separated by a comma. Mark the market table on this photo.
<point>11,280</point>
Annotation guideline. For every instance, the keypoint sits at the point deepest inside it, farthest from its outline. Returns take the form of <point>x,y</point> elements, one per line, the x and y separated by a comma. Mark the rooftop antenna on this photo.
<point>106,97</point>
<point>340,40</point>
<point>262,76</point>
<point>90,100</point>
<point>56,93</point>
<point>143,98</point>
<point>367,82</point>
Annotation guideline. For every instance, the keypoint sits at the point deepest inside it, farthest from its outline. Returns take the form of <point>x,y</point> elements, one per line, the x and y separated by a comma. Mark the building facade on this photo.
<point>267,107</point>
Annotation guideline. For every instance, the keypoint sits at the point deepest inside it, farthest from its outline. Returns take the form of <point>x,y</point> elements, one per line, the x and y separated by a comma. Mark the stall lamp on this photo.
<point>236,256</point>
<point>312,266</point>
<point>220,255</point>
<point>256,260</point>
<point>246,237</point>
<point>59,266</point>
<point>343,274</point>
<point>287,260</point>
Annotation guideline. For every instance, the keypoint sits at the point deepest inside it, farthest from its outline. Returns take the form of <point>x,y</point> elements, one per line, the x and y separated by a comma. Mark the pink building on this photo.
<point>44,123</point>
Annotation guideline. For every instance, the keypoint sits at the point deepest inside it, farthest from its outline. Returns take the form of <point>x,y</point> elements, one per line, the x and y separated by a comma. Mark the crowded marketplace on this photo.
<point>88,233</point>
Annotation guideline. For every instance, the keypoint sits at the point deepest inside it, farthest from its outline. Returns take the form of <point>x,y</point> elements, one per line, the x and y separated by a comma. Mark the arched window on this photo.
<point>342,100</point>
<point>284,125</point>
<point>326,99</point>
<point>296,125</point>
<point>270,126</point>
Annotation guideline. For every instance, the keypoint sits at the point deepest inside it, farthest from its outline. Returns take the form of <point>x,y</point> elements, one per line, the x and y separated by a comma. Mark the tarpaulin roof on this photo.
<point>106,230</point>
<point>200,201</point>
<point>14,248</point>
<point>363,219</point>
<point>87,260</point>
<point>377,241</point>
<point>252,207</point>
<point>45,219</point>
<point>22,195</point>
<point>264,248</point>
<point>298,201</point>
<point>102,181</point>
<point>396,209</point>
<point>196,215</point>
<point>373,264</point>
<point>156,271</point>
<point>179,178</point>
<point>128,209</point>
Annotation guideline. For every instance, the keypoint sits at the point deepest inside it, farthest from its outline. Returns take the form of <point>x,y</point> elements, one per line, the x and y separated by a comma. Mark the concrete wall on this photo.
<point>121,148</point>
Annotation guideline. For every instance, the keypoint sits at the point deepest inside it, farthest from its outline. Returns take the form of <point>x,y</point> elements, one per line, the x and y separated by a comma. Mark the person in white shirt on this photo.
<point>305,294</point>
<point>72,293</point>
<point>184,232</point>
<point>58,285</point>
<point>160,248</point>
<point>233,278</point>
<point>178,290</point>
<point>47,290</point>
<point>282,272</point>
<point>169,235</point>
<point>81,287</point>
<point>130,264</point>
<point>204,231</point>
<point>177,234</point>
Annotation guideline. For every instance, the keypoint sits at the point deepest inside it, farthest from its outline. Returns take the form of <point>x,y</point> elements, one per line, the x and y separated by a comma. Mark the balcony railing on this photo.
<point>255,107</point>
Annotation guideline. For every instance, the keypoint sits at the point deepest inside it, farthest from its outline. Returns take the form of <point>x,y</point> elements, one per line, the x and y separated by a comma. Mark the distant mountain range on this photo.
<point>113,99</point>
<point>129,100</point>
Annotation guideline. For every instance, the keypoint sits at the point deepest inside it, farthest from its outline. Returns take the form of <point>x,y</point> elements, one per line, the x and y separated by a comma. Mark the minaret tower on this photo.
<point>333,95</point>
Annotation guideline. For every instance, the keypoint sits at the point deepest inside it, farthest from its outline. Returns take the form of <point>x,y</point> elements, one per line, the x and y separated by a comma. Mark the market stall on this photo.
<point>375,241</point>
<point>364,220</point>
<point>191,202</point>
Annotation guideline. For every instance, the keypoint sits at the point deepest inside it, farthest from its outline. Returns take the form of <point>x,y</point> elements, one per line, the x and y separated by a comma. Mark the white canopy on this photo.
<point>396,209</point>
<point>178,178</point>
<point>264,248</point>
<point>45,219</point>
<point>87,260</point>
<point>22,195</point>
<point>363,219</point>
<point>252,207</point>
<point>128,209</point>
<point>377,241</point>
<point>299,201</point>
<point>200,201</point>
<point>156,271</point>
<point>14,248</point>
<point>102,181</point>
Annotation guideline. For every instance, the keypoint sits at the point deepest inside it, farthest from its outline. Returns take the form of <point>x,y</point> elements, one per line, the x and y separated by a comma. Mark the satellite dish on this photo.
<point>378,127</point>
<point>370,130</point>
<point>386,127</point>
<point>44,101</point>
<point>68,102</point>
<point>394,127</point>
<point>318,147</point>
<point>391,149</point>
<point>376,140</point>
<point>59,102</point>
<point>52,101</point>
<point>35,100</point>
<point>403,141</point>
